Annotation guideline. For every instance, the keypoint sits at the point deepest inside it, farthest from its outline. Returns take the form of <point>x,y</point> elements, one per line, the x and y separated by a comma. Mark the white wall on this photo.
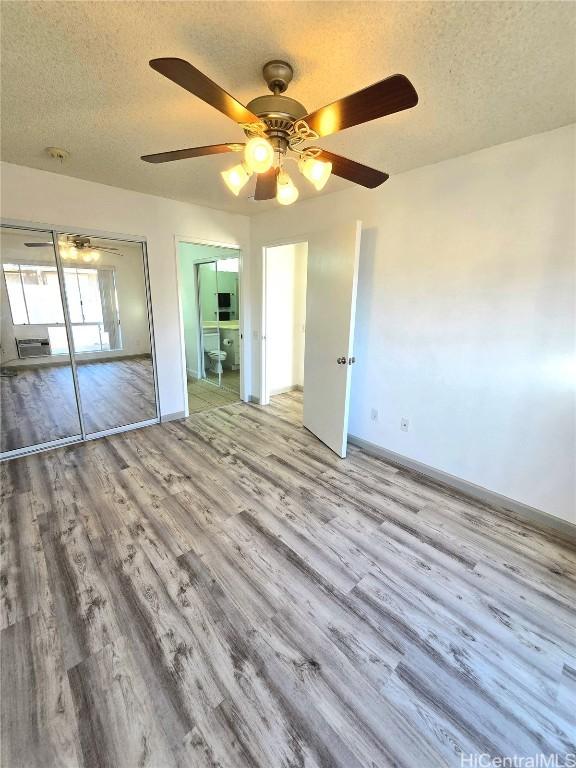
<point>465,314</point>
<point>30,195</point>
<point>189,298</point>
<point>285,316</point>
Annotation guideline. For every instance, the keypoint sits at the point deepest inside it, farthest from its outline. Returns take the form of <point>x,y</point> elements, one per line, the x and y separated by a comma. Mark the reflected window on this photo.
<point>34,297</point>
<point>90,338</point>
<point>84,296</point>
<point>58,340</point>
<point>33,293</point>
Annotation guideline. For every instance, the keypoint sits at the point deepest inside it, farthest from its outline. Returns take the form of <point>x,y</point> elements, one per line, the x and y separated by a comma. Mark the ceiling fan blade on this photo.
<point>183,154</point>
<point>104,248</point>
<point>184,74</point>
<point>266,185</point>
<point>38,245</point>
<point>391,95</point>
<point>353,171</point>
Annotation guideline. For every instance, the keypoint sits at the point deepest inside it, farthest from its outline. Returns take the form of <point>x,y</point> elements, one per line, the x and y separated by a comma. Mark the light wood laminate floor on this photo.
<point>225,592</point>
<point>229,380</point>
<point>38,404</point>
<point>203,395</point>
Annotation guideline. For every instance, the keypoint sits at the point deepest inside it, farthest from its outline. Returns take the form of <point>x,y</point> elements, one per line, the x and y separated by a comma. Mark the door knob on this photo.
<point>341,361</point>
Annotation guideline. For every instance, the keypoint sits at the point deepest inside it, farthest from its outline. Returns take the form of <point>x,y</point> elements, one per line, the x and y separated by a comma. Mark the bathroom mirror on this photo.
<point>229,321</point>
<point>218,294</point>
<point>208,307</point>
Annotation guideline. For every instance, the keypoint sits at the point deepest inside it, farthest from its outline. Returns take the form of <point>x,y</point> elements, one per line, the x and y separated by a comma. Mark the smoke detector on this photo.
<point>58,154</point>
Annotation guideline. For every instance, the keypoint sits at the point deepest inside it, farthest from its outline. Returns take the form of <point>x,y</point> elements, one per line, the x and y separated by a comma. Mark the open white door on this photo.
<point>330,309</point>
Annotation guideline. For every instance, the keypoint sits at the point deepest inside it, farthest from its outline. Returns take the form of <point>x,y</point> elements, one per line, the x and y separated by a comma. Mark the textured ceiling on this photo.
<point>76,75</point>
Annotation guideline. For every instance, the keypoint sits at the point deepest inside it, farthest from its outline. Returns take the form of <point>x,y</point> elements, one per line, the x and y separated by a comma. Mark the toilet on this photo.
<point>213,352</point>
<point>216,357</point>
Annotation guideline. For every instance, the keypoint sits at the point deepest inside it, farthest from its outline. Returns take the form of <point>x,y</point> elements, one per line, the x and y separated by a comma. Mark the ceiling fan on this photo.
<point>279,128</point>
<point>75,247</point>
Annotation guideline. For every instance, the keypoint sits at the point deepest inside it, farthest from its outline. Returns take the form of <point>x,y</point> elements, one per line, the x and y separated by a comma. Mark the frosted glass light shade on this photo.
<point>235,178</point>
<point>316,171</point>
<point>259,155</point>
<point>286,191</point>
<point>90,255</point>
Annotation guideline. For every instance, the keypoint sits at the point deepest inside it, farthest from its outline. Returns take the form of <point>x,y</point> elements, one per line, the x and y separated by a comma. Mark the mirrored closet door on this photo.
<point>76,348</point>
<point>38,399</point>
<point>107,297</point>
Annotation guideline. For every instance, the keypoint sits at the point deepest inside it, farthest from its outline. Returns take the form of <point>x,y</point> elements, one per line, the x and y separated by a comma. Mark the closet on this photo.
<point>76,348</point>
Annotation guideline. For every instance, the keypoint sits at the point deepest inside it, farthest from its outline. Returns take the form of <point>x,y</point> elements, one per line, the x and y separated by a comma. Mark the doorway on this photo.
<point>284,322</point>
<point>330,268</point>
<point>209,287</point>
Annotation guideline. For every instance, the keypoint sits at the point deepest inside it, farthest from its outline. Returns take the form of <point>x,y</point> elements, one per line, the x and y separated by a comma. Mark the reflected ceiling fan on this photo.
<point>76,247</point>
<point>279,128</point>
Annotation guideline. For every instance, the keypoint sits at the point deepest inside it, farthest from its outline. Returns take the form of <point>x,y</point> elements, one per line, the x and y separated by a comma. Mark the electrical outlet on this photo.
<point>374,414</point>
<point>404,424</point>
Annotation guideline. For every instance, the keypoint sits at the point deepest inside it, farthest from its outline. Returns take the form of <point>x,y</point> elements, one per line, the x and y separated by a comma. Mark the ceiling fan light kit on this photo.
<point>286,191</point>
<point>316,171</point>
<point>236,178</point>
<point>75,248</point>
<point>71,253</point>
<point>280,129</point>
<point>259,154</point>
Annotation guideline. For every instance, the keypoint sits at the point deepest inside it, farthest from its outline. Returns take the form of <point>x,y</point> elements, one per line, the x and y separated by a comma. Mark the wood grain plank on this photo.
<point>224,591</point>
<point>115,712</point>
<point>39,726</point>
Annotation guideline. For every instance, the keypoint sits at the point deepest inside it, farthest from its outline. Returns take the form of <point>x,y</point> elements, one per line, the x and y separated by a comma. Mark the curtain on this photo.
<point>110,319</point>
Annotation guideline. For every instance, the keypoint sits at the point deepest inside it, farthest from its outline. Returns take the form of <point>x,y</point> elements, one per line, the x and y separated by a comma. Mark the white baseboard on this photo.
<point>530,514</point>
<point>283,390</point>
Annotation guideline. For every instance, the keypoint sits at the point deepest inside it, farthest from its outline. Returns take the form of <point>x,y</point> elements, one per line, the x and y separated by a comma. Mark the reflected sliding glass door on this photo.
<point>77,352</point>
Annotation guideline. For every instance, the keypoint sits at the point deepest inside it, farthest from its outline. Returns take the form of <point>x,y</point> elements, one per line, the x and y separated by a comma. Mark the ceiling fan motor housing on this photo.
<point>278,74</point>
<point>80,242</point>
<point>278,113</point>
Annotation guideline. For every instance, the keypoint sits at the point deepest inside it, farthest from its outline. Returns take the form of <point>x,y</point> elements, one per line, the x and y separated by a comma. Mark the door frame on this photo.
<point>264,393</point>
<point>178,239</point>
<point>54,231</point>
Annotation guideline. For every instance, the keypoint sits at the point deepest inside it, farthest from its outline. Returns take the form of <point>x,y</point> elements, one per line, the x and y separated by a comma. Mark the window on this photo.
<point>34,296</point>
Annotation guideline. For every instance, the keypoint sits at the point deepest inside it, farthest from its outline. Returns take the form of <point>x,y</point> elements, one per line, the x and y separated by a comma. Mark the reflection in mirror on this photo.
<point>229,321</point>
<point>37,397</point>
<point>107,302</point>
<point>219,312</point>
<point>211,346</point>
